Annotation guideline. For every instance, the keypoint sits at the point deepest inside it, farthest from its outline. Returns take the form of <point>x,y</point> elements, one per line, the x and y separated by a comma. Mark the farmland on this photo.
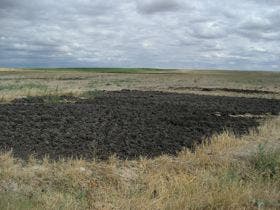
<point>126,138</point>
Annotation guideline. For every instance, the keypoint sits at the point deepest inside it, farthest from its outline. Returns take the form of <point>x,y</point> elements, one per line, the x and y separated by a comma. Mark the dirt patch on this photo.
<point>126,123</point>
<point>234,90</point>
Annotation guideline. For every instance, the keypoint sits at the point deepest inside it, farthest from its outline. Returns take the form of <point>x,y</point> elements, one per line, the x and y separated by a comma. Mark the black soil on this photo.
<point>126,123</point>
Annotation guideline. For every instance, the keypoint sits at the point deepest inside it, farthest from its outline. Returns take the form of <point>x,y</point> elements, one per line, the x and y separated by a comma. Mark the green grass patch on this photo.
<point>115,82</point>
<point>17,201</point>
<point>92,94</point>
<point>267,163</point>
<point>105,70</point>
<point>15,86</point>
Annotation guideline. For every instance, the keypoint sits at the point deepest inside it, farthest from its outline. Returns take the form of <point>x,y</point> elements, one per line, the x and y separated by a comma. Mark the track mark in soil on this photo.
<point>126,123</point>
<point>235,90</point>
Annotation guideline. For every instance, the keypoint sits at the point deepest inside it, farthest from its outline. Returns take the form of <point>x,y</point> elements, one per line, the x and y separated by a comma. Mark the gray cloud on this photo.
<point>156,6</point>
<point>148,33</point>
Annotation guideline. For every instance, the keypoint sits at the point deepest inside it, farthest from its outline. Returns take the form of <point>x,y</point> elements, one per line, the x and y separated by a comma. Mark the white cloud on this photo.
<point>148,33</point>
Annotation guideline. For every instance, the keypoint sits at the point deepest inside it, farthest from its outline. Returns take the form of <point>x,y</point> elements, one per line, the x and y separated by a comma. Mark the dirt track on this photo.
<point>126,123</point>
<point>234,90</point>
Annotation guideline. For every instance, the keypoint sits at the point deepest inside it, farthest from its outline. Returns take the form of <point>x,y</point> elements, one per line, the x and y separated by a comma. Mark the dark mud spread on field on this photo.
<point>126,123</point>
<point>234,90</point>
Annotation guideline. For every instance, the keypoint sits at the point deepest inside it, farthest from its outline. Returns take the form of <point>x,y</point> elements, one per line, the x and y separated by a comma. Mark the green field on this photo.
<point>105,70</point>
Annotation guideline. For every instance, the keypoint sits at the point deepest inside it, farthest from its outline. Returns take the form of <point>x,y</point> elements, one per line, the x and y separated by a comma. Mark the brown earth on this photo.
<point>126,123</point>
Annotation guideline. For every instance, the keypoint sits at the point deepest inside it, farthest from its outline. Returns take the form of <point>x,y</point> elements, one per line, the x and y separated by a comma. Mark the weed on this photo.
<point>267,163</point>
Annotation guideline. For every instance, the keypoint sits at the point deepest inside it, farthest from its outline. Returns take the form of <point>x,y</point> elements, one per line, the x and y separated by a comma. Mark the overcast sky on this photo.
<point>229,34</point>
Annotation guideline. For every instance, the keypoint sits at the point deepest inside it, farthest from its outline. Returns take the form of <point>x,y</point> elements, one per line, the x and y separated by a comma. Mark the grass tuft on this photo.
<point>267,162</point>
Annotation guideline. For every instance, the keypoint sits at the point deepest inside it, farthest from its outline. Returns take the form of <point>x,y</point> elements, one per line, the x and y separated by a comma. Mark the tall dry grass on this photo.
<point>228,173</point>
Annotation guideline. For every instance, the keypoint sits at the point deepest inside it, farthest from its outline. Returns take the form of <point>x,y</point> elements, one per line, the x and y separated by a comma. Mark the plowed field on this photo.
<point>126,123</point>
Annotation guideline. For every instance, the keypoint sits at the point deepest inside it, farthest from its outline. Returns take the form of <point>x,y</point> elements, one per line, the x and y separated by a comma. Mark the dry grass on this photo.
<point>228,173</point>
<point>74,82</point>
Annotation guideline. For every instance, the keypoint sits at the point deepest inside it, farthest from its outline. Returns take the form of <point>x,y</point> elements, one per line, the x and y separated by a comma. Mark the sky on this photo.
<point>199,34</point>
